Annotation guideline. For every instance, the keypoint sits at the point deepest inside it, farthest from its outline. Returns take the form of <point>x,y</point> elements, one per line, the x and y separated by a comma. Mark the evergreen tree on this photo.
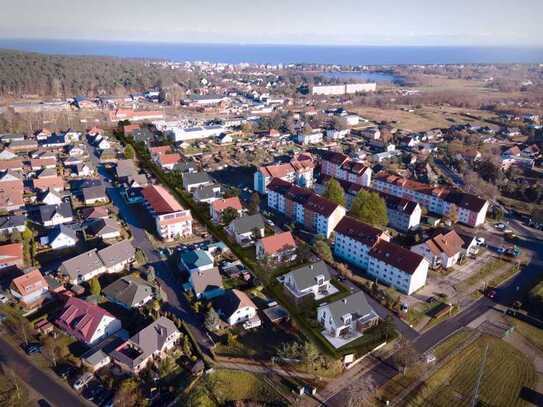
<point>228,215</point>
<point>334,192</point>
<point>94,286</point>
<point>129,152</point>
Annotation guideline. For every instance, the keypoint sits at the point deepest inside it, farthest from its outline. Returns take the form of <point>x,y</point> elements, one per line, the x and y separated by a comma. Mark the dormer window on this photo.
<point>347,319</point>
<point>320,279</point>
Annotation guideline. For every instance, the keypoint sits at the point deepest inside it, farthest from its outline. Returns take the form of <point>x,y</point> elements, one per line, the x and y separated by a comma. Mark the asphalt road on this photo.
<point>135,217</point>
<point>55,393</point>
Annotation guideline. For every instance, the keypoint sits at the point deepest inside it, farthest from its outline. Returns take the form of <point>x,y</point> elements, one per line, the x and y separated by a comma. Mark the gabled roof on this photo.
<point>231,301</point>
<point>196,258</point>
<point>278,243</point>
<point>396,256</point>
<point>359,231</point>
<point>207,280</point>
<point>355,304</point>
<point>160,199</point>
<point>95,192</point>
<point>62,230</point>
<point>125,168</point>
<point>306,276</point>
<point>196,178</point>
<point>29,282</point>
<point>129,290</point>
<point>247,224</point>
<point>46,212</point>
<point>11,252</point>
<point>449,243</point>
<point>12,221</point>
<point>117,253</point>
<point>81,318</point>
<point>105,226</point>
<point>81,265</point>
<point>221,204</point>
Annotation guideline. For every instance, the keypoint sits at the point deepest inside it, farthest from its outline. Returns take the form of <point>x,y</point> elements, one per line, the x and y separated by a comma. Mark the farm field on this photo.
<point>506,372</point>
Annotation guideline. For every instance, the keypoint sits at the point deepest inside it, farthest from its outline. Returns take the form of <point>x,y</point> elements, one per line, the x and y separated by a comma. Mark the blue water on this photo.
<point>364,76</point>
<point>274,54</point>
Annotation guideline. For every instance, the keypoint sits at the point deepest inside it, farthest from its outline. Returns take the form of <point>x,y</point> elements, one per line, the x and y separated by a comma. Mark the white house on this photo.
<point>61,237</point>
<point>314,137</point>
<point>311,280</point>
<point>235,307</point>
<point>441,250</point>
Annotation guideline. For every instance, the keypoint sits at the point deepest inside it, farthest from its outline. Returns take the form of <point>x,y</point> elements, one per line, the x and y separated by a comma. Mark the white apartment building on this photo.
<point>314,137</point>
<point>298,171</point>
<point>342,167</point>
<point>303,206</point>
<point>471,210</point>
<point>346,89</point>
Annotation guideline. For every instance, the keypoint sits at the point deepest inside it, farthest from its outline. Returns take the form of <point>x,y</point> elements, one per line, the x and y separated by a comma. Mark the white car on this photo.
<point>480,241</point>
<point>3,299</point>
<point>83,380</point>
<point>499,226</point>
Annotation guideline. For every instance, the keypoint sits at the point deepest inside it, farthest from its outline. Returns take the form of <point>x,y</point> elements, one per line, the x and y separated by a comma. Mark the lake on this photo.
<point>365,76</point>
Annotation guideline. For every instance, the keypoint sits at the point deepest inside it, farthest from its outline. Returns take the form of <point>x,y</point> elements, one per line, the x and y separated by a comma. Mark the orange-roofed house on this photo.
<point>280,247</point>
<point>171,219</point>
<point>48,183</point>
<point>168,161</point>
<point>30,288</point>
<point>124,114</point>
<point>217,207</point>
<point>11,192</point>
<point>154,151</point>
<point>11,255</point>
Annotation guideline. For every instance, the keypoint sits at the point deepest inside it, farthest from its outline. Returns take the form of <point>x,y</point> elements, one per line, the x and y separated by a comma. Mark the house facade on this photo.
<point>298,171</point>
<point>342,167</point>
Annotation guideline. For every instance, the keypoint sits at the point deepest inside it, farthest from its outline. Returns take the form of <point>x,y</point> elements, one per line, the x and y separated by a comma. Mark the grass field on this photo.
<point>531,333</point>
<point>506,372</point>
<point>226,386</point>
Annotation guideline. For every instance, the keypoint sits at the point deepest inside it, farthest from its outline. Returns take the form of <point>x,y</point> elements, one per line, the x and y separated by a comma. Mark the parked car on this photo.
<point>501,250</point>
<point>500,226</point>
<point>3,299</point>
<point>83,380</point>
<point>480,241</point>
<point>32,348</point>
<point>491,294</point>
<point>65,371</point>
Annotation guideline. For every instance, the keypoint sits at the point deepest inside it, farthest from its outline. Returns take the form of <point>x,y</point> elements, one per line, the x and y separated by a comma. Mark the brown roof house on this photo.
<point>153,341</point>
<point>30,288</point>
<point>11,255</point>
<point>442,250</point>
<point>235,308</point>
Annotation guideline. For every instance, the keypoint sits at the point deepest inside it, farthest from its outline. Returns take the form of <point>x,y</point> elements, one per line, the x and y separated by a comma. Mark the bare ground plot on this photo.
<point>423,118</point>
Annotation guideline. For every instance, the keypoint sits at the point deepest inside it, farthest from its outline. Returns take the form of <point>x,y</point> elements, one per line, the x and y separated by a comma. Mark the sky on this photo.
<point>327,22</point>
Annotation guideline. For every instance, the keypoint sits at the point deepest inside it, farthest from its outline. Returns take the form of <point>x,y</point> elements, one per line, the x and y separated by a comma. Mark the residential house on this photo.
<point>15,164</point>
<point>442,250</point>
<point>246,229</point>
<point>207,193</point>
<point>11,192</point>
<point>12,223</point>
<point>87,322</point>
<point>118,256</point>
<point>76,151</point>
<point>97,212</point>
<point>23,146</point>
<point>303,206</point>
<point>192,181</point>
<point>129,292</point>
<point>7,154</point>
<point>311,281</point>
<point>48,183</point>
<point>298,171</point>
<point>11,255</point>
<point>218,206</point>
<point>125,169</point>
<point>62,236</point>
<point>30,289</point>
<point>82,170</point>
<point>151,343</point>
<point>314,137</point>
<point>168,161</point>
<point>280,247</point>
<point>49,197</point>
<point>342,167</point>
<point>171,219</point>
<point>94,195</point>
<point>205,284</point>
<point>348,317</point>
<point>41,163</point>
<point>196,260</point>
<point>105,229</point>
<point>235,307</point>
<point>471,210</point>
<point>51,215</point>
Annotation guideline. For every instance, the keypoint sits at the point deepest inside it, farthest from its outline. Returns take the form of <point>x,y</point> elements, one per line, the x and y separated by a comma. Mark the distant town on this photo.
<point>273,235</point>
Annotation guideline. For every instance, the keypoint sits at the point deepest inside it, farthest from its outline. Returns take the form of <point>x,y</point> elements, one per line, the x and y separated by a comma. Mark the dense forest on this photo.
<point>66,76</point>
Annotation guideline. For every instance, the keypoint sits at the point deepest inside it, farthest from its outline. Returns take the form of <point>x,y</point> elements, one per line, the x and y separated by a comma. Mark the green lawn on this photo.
<point>225,386</point>
<point>531,333</point>
<point>478,276</point>
<point>506,372</point>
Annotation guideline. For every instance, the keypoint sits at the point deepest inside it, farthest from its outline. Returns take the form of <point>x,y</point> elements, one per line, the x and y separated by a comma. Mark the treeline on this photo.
<point>23,73</point>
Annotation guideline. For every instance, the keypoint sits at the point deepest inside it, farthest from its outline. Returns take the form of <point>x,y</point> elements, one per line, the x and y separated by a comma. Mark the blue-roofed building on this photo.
<point>195,260</point>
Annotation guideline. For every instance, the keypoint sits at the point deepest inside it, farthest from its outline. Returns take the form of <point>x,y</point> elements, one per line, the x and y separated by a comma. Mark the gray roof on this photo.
<point>126,168</point>
<point>64,230</point>
<point>146,342</point>
<point>14,221</point>
<point>117,253</point>
<point>306,276</point>
<point>129,291</point>
<point>103,227</point>
<point>196,178</point>
<point>185,166</point>
<point>46,212</point>
<point>94,192</point>
<point>354,304</point>
<point>206,192</point>
<point>81,265</point>
<point>247,224</point>
<point>206,280</point>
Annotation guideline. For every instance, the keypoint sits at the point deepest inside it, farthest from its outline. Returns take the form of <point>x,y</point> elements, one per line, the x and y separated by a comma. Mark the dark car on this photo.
<point>44,403</point>
<point>65,371</point>
<point>32,348</point>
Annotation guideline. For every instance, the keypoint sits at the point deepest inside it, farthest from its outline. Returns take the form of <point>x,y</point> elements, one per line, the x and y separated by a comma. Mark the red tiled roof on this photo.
<point>160,199</point>
<point>278,243</point>
<point>11,253</point>
<point>81,318</point>
<point>166,159</point>
<point>160,150</point>
<point>13,164</point>
<point>359,231</point>
<point>29,282</point>
<point>221,204</point>
<point>48,183</point>
<point>43,162</point>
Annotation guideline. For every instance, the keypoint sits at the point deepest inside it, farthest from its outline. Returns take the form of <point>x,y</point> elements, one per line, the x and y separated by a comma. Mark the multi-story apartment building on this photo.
<point>171,219</point>
<point>342,167</point>
<point>471,210</point>
<point>369,248</point>
<point>299,171</point>
<point>403,214</point>
<point>303,206</point>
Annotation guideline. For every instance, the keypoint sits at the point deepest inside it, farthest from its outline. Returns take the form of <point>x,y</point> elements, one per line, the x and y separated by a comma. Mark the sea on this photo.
<point>283,54</point>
